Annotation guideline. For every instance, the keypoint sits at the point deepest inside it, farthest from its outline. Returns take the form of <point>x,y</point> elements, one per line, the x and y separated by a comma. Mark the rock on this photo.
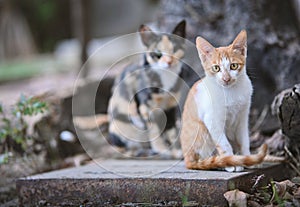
<point>287,106</point>
<point>114,182</point>
<point>289,114</point>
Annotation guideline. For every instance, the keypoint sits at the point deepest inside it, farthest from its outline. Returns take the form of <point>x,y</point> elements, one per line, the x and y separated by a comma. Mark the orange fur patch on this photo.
<point>220,53</point>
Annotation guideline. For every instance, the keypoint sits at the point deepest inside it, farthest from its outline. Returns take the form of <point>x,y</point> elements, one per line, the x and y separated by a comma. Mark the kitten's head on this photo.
<point>225,64</point>
<point>163,50</point>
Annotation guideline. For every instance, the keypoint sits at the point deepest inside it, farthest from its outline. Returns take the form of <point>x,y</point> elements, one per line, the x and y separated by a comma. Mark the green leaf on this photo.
<point>15,127</point>
<point>37,105</point>
<point>27,111</point>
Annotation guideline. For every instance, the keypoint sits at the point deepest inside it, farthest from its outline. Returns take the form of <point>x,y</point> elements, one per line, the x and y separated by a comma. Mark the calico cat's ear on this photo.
<point>239,45</point>
<point>147,35</point>
<point>180,29</point>
<point>205,49</point>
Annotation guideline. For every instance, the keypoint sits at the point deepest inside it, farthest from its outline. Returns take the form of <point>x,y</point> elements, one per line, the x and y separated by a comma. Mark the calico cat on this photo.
<point>144,105</point>
<point>215,116</point>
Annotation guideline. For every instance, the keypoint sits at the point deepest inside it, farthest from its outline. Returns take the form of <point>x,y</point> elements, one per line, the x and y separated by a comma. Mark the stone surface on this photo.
<point>122,181</point>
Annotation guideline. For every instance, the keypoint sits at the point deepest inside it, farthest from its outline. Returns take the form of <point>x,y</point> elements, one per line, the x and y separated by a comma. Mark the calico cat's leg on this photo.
<point>172,137</point>
<point>157,141</point>
<point>123,133</point>
<point>171,132</point>
<point>158,146</point>
<point>156,124</point>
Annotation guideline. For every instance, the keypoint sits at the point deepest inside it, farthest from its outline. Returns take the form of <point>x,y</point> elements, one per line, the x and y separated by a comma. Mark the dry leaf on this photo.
<point>236,198</point>
<point>296,193</point>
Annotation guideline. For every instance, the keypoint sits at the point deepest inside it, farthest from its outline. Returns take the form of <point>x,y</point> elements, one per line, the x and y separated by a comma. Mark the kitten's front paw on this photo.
<point>230,169</point>
<point>234,169</point>
<point>239,168</point>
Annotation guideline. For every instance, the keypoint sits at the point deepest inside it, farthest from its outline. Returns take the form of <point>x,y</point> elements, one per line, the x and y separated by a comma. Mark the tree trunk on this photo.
<point>286,106</point>
<point>16,40</point>
<point>81,30</point>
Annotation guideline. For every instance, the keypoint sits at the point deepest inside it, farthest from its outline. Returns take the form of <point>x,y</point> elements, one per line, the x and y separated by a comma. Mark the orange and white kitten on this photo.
<point>215,118</point>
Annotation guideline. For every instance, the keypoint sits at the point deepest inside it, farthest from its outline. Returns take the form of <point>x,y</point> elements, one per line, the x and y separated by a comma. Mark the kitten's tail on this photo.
<point>229,160</point>
<point>91,122</point>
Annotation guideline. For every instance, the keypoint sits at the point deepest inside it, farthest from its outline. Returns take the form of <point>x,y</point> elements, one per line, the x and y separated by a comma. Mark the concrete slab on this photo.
<point>121,181</point>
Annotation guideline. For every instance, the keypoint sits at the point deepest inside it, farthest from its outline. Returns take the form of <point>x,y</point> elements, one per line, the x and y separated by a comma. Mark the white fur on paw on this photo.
<point>234,169</point>
<point>230,169</point>
<point>239,168</point>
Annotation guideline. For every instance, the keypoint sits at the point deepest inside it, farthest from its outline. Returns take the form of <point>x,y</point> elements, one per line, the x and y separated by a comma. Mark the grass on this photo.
<point>26,68</point>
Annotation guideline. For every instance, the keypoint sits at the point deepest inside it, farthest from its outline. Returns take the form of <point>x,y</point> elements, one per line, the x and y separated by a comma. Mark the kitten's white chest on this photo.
<point>233,114</point>
<point>217,103</point>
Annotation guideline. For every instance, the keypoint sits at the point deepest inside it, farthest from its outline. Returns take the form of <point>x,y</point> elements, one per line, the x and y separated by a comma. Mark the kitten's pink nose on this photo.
<point>226,79</point>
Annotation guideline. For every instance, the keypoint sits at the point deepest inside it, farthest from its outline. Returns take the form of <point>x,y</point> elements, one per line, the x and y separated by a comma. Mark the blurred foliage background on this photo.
<point>31,31</point>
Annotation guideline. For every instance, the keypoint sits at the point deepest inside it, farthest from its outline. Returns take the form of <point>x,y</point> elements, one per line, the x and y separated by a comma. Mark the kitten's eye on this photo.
<point>215,68</point>
<point>234,66</point>
<point>156,54</point>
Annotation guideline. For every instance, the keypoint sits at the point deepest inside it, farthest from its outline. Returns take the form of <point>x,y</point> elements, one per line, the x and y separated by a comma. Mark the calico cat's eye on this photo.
<point>215,68</point>
<point>156,54</point>
<point>234,66</point>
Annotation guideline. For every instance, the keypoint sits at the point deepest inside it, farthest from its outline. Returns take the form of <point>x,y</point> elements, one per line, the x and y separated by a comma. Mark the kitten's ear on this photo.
<point>180,29</point>
<point>147,35</point>
<point>205,49</point>
<point>239,45</point>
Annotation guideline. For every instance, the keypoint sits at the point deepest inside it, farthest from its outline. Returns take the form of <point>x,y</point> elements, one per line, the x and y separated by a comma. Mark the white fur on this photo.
<point>225,111</point>
<point>169,75</point>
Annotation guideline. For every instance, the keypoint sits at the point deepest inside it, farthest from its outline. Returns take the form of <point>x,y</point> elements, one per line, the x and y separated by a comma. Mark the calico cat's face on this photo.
<point>163,51</point>
<point>225,64</point>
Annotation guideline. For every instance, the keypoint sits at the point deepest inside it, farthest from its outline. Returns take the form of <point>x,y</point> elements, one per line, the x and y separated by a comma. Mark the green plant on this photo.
<point>275,195</point>
<point>13,127</point>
